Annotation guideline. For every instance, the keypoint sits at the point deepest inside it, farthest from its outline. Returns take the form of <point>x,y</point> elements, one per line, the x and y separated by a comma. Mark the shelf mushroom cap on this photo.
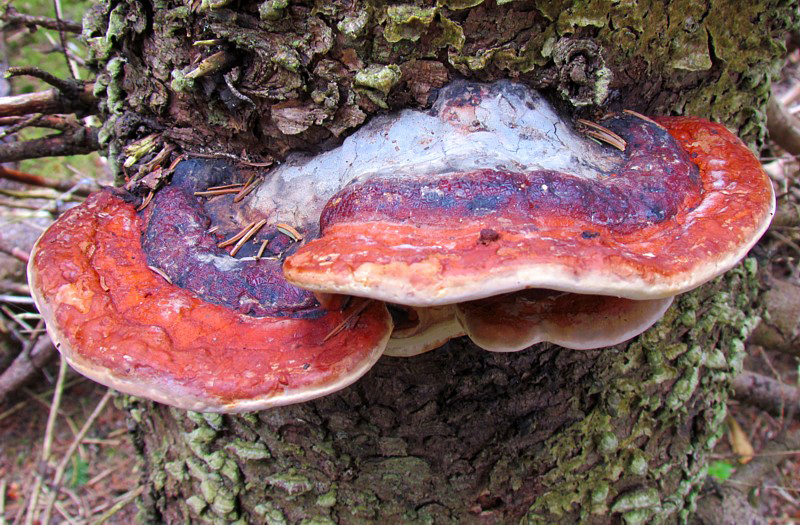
<point>680,205</point>
<point>123,325</point>
<point>512,322</point>
<point>420,330</point>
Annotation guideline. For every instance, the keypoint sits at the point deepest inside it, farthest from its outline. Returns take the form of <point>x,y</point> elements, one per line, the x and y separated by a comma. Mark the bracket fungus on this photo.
<point>490,215</point>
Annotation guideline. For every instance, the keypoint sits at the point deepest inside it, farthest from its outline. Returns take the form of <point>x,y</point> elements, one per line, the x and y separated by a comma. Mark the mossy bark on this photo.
<point>457,435</point>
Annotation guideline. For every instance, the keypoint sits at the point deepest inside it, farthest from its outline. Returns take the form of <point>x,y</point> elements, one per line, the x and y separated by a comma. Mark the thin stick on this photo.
<point>289,231</point>
<point>15,299</point>
<point>47,444</point>
<point>146,201</point>
<point>124,500</point>
<point>161,273</point>
<point>602,133</point>
<point>348,320</point>
<point>210,193</point>
<point>64,514</point>
<point>62,467</point>
<point>237,185</point>
<point>640,116</point>
<point>3,501</point>
<point>263,247</point>
<point>236,237</point>
<point>249,186</point>
<point>248,236</point>
<point>12,17</point>
<point>73,68</point>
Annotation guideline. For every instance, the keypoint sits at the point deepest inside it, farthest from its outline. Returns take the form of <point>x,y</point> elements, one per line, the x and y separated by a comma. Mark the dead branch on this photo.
<point>766,393</point>
<point>49,102</point>
<point>65,86</point>
<point>781,330</point>
<point>79,142</point>
<point>75,187</point>
<point>14,251</point>
<point>13,18</point>
<point>37,120</point>
<point>783,127</point>
<point>25,366</point>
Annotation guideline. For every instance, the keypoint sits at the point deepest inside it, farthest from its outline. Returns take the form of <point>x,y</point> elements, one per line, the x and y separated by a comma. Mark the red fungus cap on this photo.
<point>512,322</point>
<point>122,324</point>
<point>680,205</point>
<point>419,330</point>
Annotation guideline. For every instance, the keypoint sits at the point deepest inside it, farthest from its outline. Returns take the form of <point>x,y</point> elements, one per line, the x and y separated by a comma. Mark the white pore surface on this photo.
<point>502,126</point>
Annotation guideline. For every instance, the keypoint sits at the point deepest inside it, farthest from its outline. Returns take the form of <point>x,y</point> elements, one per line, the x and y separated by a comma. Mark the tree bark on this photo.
<point>457,435</point>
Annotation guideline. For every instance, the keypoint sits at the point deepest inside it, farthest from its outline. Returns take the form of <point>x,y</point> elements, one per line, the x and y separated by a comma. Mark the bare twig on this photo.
<point>79,142</point>
<point>13,17</point>
<point>783,127</point>
<point>38,120</point>
<point>781,330</point>
<point>250,233</point>
<point>30,518</point>
<point>3,501</point>
<point>65,86</point>
<point>766,393</point>
<point>13,251</point>
<point>25,366</point>
<point>49,102</point>
<point>76,187</point>
<point>124,500</point>
<point>62,466</point>
<point>73,68</point>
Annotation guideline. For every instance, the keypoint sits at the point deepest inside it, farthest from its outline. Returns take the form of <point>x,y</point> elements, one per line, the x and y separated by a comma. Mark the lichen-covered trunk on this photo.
<point>457,435</point>
<point>461,435</point>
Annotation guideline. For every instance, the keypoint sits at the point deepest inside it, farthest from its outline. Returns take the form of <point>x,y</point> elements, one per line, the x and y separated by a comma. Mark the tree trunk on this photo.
<point>457,435</point>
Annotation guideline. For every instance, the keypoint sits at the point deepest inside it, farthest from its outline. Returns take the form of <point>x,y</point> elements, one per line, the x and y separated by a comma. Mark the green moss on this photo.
<point>180,82</point>
<point>271,513</point>
<point>213,420</point>
<point>224,502</point>
<point>318,520</point>
<point>637,464</point>
<point>209,488</point>
<point>690,52</point>
<point>452,35</point>
<point>327,499</point>
<point>379,78</point>
<point>354,26</point>
<point>407,22</point>
<point>646,498</point>
<point>637,517</point>
<point>231,471</point>
<point>249,451</point>
<point>272,9</point>
<point>607,443</point>
<point>458,4</point>
<point>290,482</point>
<point>215,460</point>
<point>176,470</point>
<point>196,504</point>
<point>200,436</point>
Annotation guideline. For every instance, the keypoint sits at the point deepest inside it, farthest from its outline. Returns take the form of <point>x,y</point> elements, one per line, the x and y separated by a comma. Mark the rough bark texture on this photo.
<point>461,435</point>
<point>457,435</point>
<point>302,73</point>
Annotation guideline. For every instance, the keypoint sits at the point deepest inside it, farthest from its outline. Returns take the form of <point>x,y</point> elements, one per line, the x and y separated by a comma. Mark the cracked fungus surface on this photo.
<point>492,192</point>
<point>123,325</point>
